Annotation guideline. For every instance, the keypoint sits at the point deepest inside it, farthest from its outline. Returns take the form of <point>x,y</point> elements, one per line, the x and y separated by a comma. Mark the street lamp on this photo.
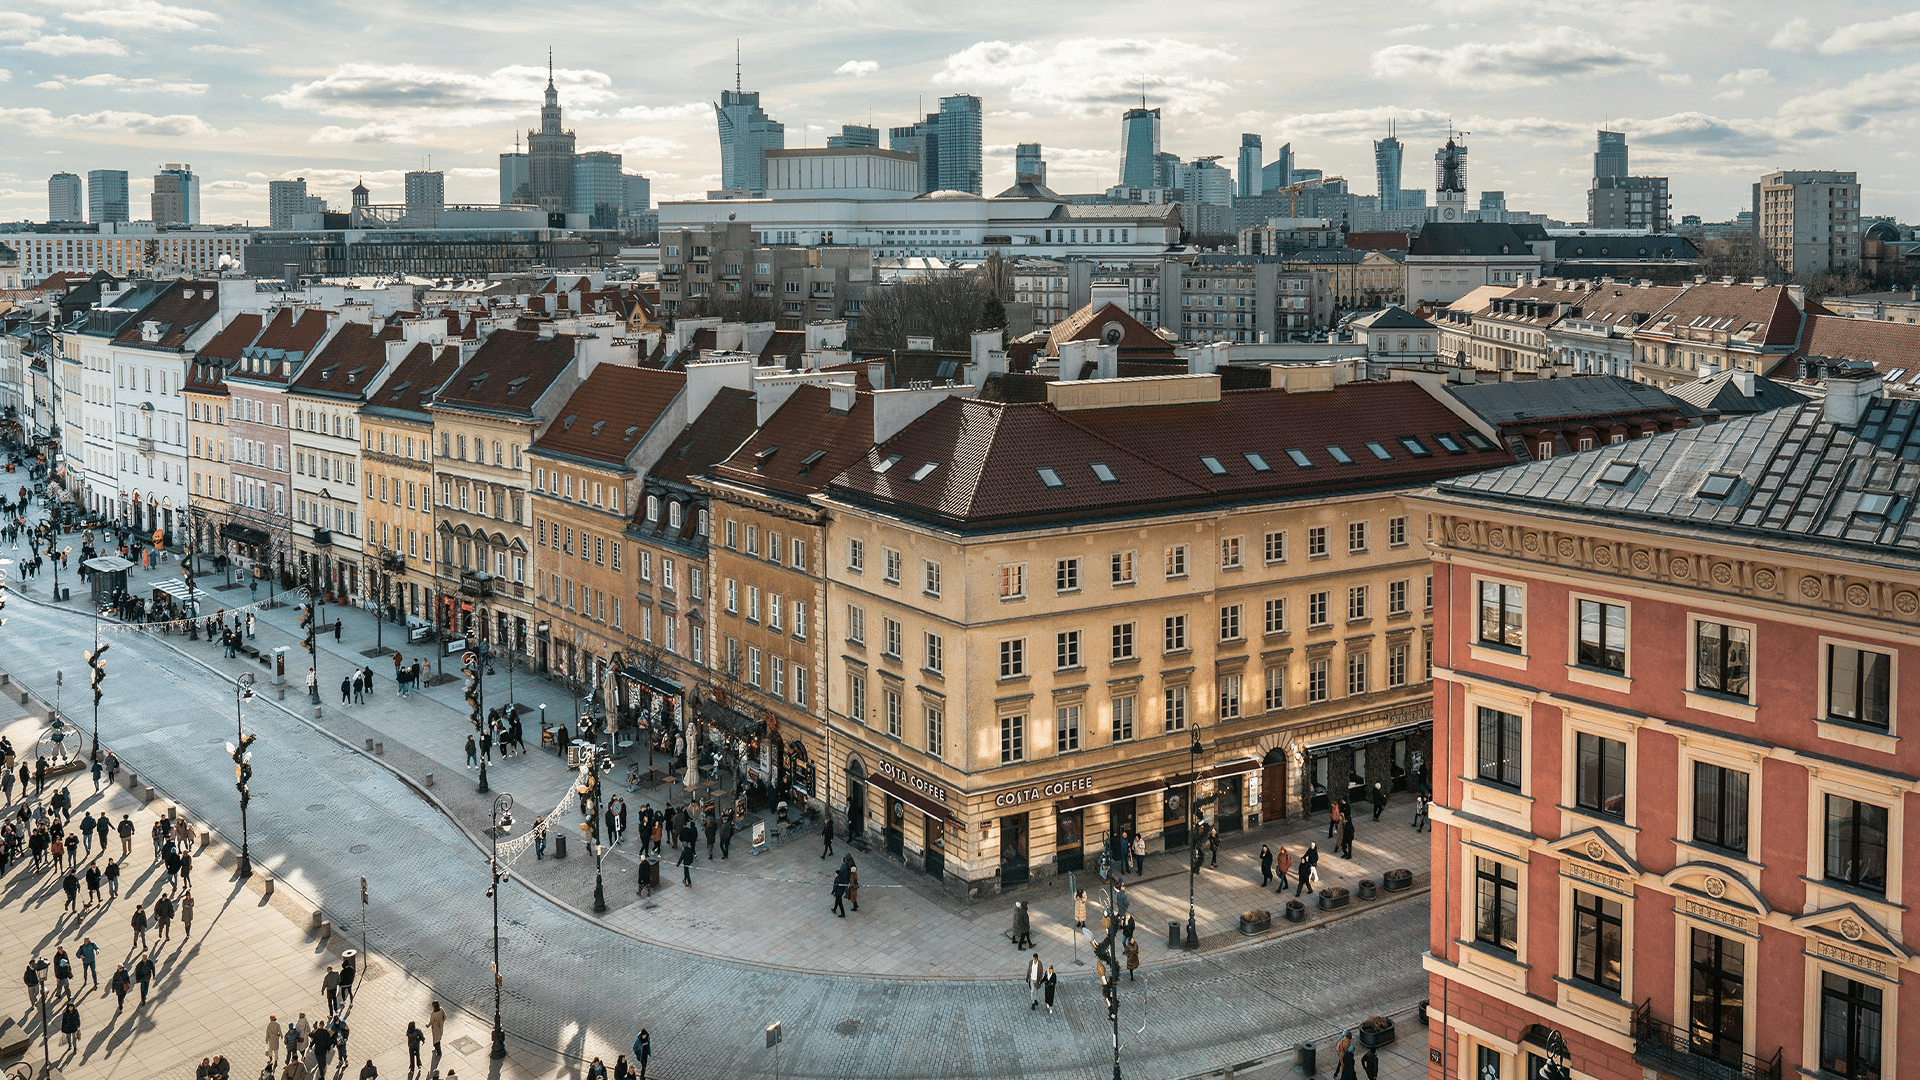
<point>242,755</point>
<point>1109,968</point>
<point>40,984</point>
<point>1193,843</point>
<point>599,887</point>
<point>502,820</point>
<point>96,662</point>
<point>1555,1067</point>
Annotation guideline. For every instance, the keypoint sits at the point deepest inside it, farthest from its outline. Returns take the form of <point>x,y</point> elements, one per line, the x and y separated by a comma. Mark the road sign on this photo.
<point>467,658</point>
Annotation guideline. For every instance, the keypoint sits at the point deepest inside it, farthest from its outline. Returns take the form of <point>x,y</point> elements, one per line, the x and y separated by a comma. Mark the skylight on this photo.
<point>597,426</point>
<point>1379,451</point>
<point>1049,477</point>
<point>1718,485</point>
<point>1895,374</point>
<point>1415,446</point>
<point>1300,458</point>
<point>924,471</point>
<point>1618,473</point>
<point>761,455</point>
<point>887,463</point>
<point>1876,503</point>
<point>1259,463</point>
<point>1213,465</point>
<point>1448,444</point>
<point>1339,455</point>
<point>566,422</point>
<point>1476,440</point>
<point>813,459</point>
<point>1103,473</point>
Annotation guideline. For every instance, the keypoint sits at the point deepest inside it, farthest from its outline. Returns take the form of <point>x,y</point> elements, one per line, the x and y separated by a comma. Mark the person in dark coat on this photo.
<point>686,865</point>
<point>826,834</point>
<point>726,835</point>
<point>1022,932</point>
<point>1266,866</point>
<point>120,983</point>
<point>1307,862</point>
<point>1370,1064</point>
<point>1379,800</point>
<point>143,974</point>
<point>840,891</point>
<point>1048,984</point>
<point>1346,837</point>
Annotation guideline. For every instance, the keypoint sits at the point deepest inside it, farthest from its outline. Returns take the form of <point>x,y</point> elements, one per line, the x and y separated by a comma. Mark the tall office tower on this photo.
<point>921,139</point>
<point>1493,202</point>
<point>1809,221</point>
<point>1277,173</point>
<point>1203,180</point>
<point>66,198</point>
<point>1610,154</point>
<point>947,143</point>
<point>426,197</point>
<point>746,134</point>
<point>1387,156</point>
<point>1247,176</point>
<point>1027,162</point>
<point>1450,181</point>
<point>515,176</point>
<point>286,198</point>
<point>550,155</point>
<point>176,196</point>
<point>107,195</point>
<point>1140,147</point>
<point>599,188</point>
<point>852,135</point>
<point>638,192</point>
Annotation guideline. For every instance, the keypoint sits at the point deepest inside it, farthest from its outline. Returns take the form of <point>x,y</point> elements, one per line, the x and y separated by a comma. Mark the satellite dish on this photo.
<point>1111,333</point>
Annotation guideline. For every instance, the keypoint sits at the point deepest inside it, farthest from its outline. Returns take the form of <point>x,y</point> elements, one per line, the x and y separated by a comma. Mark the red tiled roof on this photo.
<point>237,335</point>
<point>782,346</point>
<point>510,371</point>
<point>1136,339</point>
<point>183,307</point>
<point>1757,314</point>
<point>350,362</point>
<point>776,458</point>
<point>295,330</point>
<point>712,437</point>
<point>1885,345</point>
<point>418,374</point>
<point>610,413</point>
<point>1378,241</point>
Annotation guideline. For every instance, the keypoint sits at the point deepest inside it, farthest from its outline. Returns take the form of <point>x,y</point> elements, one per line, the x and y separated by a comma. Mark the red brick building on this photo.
<point>1675,793</point>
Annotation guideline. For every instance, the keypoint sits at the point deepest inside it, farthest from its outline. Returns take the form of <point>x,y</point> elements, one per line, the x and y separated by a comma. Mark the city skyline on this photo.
<point>133,84</point>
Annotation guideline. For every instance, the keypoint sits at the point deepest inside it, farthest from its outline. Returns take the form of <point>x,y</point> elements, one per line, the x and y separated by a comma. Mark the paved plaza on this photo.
<point>704,968</point>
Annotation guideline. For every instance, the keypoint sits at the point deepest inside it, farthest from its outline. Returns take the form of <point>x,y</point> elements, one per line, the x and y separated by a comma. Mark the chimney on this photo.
<point>1848,392</point>
<point>840,396</point>
<point>877,374</point>
<point>1106,361</point>
<point>919,344</point>
<point>1743,382</point>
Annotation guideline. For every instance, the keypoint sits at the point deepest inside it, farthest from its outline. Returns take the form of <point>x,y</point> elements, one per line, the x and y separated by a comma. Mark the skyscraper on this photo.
<point>514,176</point>
<point>1027,162</point>
<point>285,198</point>
<point>176,196</point>
<point>599,188</point>
<point>66,198</point>
<point>855,135</point>
<point>550,155</point>
<point>947,143</point>
<point>426,197</point>
<point>1610,154</point>
<point>107,195</point>
<point>1387,157</point>
<point>1247,176</point>
<point>1140,146</point>
<point>746,134</point>
<point>1277,173</point>
<point>639,193</point>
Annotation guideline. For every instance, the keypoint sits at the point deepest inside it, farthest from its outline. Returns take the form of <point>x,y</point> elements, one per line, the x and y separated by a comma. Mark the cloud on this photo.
<point>1896,32</point>
<point>1088,77</point>
<point>70,45</point>
<point>1409,31</point>
<point>142,15</point>
<point>112,122</point>
<point>858,68</point>
<point>661,114</point>
<point>1554,55</point>
<point>234,50</point>
<point>1881,103</point>
<point>639,147</point>
<point>1690,135</point>
<point>374,132</point>
<point>5,75</point>
<point>50,84</point>
<point>409,93</point>
<point>1737,83</point>
<point>128,86</point>
<point>18,24</point>
<point>1793,35</point>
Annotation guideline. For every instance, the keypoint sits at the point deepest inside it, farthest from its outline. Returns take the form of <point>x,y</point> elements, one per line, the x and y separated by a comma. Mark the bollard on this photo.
<point>146,794</point>
<point>313,922</point>
<point>5,678</point>
<point>133,781</point>
<point>266,886</point>
<point>369,744</point>
<point>24,697</point>
<point>173,812</point>
<point>1173,935</point>
<point>429,780</point>
<point>316,712</point>
<point>283,693</point>
<point>326,930</point>
<point>206,837</point>
<point>380,749</point>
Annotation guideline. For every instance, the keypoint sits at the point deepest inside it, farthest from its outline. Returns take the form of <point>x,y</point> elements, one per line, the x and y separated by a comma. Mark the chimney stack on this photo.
<point>1848,392</point>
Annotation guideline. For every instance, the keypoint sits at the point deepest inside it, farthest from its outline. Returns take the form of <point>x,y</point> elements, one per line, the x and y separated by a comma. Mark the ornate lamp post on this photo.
<point>1193,843</point>
<point>241,752</point>
<point>502,820</point>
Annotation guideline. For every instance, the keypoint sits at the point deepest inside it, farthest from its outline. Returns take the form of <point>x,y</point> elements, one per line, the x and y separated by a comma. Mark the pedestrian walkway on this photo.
<point>248,955</point>
<point>785,889</point>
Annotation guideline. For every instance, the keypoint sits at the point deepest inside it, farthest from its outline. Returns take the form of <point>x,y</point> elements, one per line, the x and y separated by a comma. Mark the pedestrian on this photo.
<point>840,891</point>
<point>853,883</point>
<point>322,1041</point>
<point>436,1022</point>
<point>1346,835</point>
<point>1122,901</point>
<point>359,689</point>
<point>1133,956</point>
<point>686,868</point>
<point>1379,799</point>
<point>1266,866</point>
<point>1036,974</point>
<point>6,783</point>
<point>120,983</point>
<point>102,827</point>
<point>597,1070</point>
<point>339,1030</point>
<point>1050,982</point>
<point>1333,818</point>
<point>1022,930</point>
<point>89,954</point>
<point>368,1071</point>
<point>330,985</point>
<point>186,915</point>
<point>62,972</point>
<point>349,971</point>
<point>163,914</point>
<point>70,884</point>
<point>642,1050</point>
<point>414,1038</point>
<point>1308,861</point>
<point>336,631</point>
<point>99,771</point>
<point>1139,854</point>
<point>273,1032</point>
<point>622,1070</point>
<point>70,1025</point>
<point>186,866</point>
<point>295,1070</point>
<point>313,686</point>
<point>297,1036</point>
<point>112,874</point>
<point>346,690</point>
<point>1283,863</point>
<point>367,673</point>
<point>826,834</point>
<point>726,835</point>
<point>143,974</point>
<point>1370,1064</point>
<point>249,624</point>
<point>1419,813</point>
<point>1343,1057</point>
<point>539,838</point>
<point>473,756</point>
<point>139,923</point>
<point>1213,848</point>
<point>126,835</point>
<point>1080,909</point>
<point>486,754</point>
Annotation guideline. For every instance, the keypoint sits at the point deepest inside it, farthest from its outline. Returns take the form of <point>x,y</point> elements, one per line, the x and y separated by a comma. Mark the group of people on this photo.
<point>502,728</point>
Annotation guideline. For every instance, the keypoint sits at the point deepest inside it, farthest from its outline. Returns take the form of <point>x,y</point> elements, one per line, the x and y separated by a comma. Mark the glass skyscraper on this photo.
<point>1387,157</point>
<point>1140,147</point>
<point>746,134</point>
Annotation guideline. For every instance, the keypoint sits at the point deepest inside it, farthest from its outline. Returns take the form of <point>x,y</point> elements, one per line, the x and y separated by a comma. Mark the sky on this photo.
<point>246,91</point>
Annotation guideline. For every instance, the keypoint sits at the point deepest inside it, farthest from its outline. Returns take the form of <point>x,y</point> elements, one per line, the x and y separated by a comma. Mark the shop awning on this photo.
<point>245,534</point>
<point>1237,767</point>
<point>1369,736</point>
<point>178,590</point>
<point>1113,795</point>
<point>912,798</point>
<point>653,682</point>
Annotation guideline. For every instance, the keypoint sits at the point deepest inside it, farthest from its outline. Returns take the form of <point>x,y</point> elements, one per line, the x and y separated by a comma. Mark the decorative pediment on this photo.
<point>1720,884</point>
<point>1847,926</point>
<point>1594,856</point>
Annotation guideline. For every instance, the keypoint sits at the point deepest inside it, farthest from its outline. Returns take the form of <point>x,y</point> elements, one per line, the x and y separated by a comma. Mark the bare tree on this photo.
<point>946,307</point>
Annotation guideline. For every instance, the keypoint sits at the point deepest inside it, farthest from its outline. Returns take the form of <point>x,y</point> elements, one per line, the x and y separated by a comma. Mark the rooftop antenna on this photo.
<point>549,66</point>
<point>736,65</point>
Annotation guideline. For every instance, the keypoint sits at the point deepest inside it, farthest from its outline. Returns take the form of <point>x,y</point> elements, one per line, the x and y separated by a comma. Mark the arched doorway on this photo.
<point>1273,785</point>
<point>856,796</point>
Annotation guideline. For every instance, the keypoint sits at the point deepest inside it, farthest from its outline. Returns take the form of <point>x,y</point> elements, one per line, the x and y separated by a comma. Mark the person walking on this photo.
<point>112,874</point>
<point>89,955</point>
<point>853,883</point>
<point>330,985</point>
<point>1343,1057</point>
<point>70,884</point>
<point>348,973</point>
<point>1333,818</point>
<point>70,1025</point>
<point>139,923</point>
<point>414,1038</point>
<point>369,1071</point>
<point>686,868</point>
<point>346,690</point>
<point>1346,835</point>
<point>1419,813</point>
<point>1049,983</point>
<point>726,835</point>
<point>473,752</point>
<point>186,915</point>
<point>99,771</point>
<point>120,983</point>
<point>101,826</point>
<point>826,834</point>
<point>1133,956</point>
<point>1370,1064</point>
<point>313,686</point>
<point>62,972</point>
<point>163,915</point>
<point>143,974</point>
<point>1307,863</point>
<point>1139,854</point>
<point>1282,863</point>
<point>1080,909</point>
<point>1022,931</point>
<point>273,1032</point>
<point>712,829</point>
<point>1379,800</point>
<point>249,624</point>
<point>322,1041</point>
<point>436,1023</point>
<point>642,1050</point>
<point>1036,974</point>
<point>840,891</point>
<point>1213,848</point>
<point>366,672</point>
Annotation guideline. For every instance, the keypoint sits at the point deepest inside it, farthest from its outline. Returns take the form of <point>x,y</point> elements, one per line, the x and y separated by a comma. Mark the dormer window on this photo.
<point>1618,474</point>
<point>653,508</point>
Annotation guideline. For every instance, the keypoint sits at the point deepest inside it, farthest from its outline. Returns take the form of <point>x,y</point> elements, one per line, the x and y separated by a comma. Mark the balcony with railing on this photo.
<point>1669,1048</point>
<point>145,445</point>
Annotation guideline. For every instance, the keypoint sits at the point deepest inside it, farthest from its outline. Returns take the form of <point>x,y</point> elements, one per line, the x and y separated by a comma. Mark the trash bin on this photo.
<point>1173,935</point>
<point>559,845</point>
<point>1304,1057</point>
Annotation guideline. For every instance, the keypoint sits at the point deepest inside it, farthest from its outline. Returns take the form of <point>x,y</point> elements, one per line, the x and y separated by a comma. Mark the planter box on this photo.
<point>1255,921</point>
<point>1333,899</point>
<point>1295,911</point>
<point>1377,1039</point>
<point>1397,880</point>
<point>1366,890</point>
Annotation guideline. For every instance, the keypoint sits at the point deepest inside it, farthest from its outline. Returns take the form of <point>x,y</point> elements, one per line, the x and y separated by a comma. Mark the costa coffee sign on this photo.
<point>1071,786</point>
<point>918,783</point>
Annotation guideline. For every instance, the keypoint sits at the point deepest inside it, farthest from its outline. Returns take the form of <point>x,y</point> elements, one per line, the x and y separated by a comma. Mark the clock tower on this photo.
<point>1450,180</point>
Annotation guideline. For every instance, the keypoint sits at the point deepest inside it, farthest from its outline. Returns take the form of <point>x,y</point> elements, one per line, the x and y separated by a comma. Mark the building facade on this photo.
<point>397,462</point>
<point>1808,222</point>
<point>326,444</point>
<point>107,195</point>
<point>746,134</point>
<point>176,196</point>
<point>66,198</point>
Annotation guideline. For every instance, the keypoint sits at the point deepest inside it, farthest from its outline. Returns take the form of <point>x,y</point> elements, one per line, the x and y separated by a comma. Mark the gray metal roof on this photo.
<point>1719,393</point>
<point>1794,478</point>
<point>1501,403</point>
